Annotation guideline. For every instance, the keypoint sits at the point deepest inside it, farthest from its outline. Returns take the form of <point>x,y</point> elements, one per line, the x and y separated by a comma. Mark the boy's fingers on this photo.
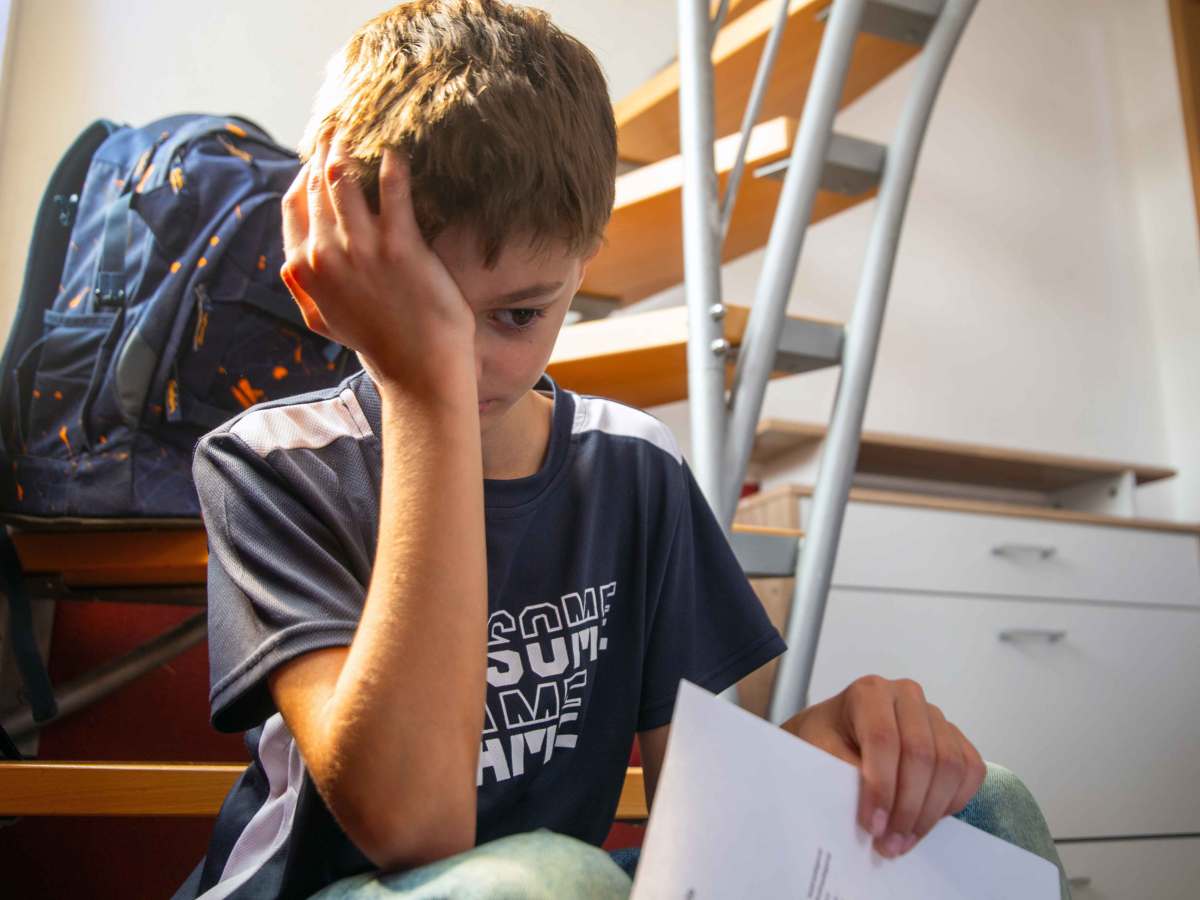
<point>321,220</point>
<point>918,759</point>
<point>295,213</point>
<point>395,200</point>
<point>878,739</point>
<point>948,775</point>
<point>349,204</point>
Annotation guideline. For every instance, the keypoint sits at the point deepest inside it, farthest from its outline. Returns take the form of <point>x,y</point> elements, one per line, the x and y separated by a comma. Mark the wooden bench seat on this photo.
<point>35,788</point>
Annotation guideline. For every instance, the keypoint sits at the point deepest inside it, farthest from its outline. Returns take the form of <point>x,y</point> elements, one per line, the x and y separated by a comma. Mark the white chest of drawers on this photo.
<point>1066,649</point>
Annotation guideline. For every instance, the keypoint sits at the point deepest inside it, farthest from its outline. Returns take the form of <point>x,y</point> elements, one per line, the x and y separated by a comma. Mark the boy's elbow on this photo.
<point>393,845</point>
<point>427,826</point>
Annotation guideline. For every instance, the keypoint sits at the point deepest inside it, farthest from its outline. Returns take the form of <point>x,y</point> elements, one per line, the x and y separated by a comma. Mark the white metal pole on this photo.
<point>792,215</point>
<point>840,452</point>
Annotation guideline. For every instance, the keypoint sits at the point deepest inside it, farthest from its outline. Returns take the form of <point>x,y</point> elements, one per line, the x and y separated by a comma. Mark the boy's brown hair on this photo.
<point>506,120</point>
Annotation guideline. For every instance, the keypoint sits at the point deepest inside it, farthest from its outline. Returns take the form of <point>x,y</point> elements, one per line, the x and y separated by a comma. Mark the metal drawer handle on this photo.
<point>1016,551</point>
<point>1049,635</point>
<point>1080,881</point>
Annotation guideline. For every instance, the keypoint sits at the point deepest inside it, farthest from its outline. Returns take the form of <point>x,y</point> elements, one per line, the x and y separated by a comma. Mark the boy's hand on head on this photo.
<point>368,281</point>
<point>915,766</point>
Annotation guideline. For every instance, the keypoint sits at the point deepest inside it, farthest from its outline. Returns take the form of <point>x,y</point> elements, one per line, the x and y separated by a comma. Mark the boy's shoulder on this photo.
<point>301,421</point>
<point>601,419</point>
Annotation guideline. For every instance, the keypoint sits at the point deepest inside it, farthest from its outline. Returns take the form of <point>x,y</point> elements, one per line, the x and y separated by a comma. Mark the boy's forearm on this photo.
<point>407,712</point>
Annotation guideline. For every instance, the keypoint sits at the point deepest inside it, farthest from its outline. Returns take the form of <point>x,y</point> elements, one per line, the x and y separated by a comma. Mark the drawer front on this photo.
<point>929,549</point>
<point>1118,870</point>
<point>1103,723</point>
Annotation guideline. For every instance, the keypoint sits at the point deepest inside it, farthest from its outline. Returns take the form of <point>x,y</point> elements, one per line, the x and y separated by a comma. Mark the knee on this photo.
<point>1003,806</point>
<point>544,864</point>
<point>535,865</point>
<point>1001,801</point>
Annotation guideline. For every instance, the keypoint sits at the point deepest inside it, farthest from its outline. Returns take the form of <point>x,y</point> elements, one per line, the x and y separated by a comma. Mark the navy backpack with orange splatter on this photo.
<point>152,311</point>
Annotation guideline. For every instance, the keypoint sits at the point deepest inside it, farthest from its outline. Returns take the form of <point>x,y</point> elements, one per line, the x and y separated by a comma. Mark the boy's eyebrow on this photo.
<point>534,290</point>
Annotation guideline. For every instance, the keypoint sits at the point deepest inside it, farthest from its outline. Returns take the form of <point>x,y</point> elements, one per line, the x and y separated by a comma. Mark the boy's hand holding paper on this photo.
<point>743,809</point>
<point>916,766</point>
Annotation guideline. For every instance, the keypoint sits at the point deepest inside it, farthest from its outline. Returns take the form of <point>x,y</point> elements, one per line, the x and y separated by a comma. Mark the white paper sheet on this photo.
<point>744,809</point>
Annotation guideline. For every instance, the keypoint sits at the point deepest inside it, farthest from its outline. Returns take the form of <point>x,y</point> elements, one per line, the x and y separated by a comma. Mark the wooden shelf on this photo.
<point>643,251</point>
<point>36,788</point>
<point>638,359</point>
<point>910,457</point>
<point>648,118</point>
<point>749,504</point>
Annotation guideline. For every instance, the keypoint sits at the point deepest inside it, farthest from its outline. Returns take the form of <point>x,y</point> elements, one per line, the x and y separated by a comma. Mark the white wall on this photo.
<point>7,21</point>
<point>1047,293</point>
<point>1153,154</point>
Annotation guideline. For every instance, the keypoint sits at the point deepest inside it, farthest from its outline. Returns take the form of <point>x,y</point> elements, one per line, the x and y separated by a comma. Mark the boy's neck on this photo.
<point>515,447</point>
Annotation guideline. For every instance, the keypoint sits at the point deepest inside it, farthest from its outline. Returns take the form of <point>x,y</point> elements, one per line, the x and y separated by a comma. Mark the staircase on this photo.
<point>692,132</point>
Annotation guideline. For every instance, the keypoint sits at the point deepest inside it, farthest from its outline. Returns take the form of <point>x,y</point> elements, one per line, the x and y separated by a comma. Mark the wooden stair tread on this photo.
<point>137,558</point>
<point>638,359</point>
<point>882,453</point>
<point>648,118</point>
<point>643,249</point>
<point>36,788</point>
<point>116,558</point>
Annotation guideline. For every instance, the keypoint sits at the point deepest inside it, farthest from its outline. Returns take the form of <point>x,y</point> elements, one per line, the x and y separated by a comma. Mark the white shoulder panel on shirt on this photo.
<point>611,417</point>
<point>307,426</point>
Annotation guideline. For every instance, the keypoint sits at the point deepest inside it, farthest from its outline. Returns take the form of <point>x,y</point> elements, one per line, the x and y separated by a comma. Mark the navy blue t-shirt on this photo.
<point>609,580</point>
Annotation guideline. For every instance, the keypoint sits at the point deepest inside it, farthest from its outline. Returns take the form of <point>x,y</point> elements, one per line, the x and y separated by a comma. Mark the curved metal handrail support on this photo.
<point>760,341</point>
<point>762,77</point>
<point>839,456</point>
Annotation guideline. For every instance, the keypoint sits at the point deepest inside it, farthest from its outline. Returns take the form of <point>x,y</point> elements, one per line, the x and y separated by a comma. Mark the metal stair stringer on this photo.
<point>723,431</point>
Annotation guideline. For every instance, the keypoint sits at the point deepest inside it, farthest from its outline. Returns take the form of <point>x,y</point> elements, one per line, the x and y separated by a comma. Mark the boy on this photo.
<point>445,595</point>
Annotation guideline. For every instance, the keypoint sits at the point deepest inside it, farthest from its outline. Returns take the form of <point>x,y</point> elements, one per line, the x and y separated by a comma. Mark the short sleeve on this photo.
<point>707,625</point>
<point>280,582</point>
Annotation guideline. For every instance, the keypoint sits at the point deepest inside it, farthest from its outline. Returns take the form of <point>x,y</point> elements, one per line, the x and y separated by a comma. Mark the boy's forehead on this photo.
<point>519,266</point>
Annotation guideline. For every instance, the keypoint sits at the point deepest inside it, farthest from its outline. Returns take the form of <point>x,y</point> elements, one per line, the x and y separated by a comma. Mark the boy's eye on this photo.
<point>521,318</point>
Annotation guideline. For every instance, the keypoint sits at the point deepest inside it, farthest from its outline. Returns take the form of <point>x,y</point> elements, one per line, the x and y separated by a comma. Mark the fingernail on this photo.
<point>878,823</point>
<point>910,843</point>
<point>893,844</point>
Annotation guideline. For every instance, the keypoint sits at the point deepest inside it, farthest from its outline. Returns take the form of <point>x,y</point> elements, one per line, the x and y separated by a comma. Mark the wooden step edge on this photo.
<point>84,788</point>
<point>647,331</point>
<point>769,141</point>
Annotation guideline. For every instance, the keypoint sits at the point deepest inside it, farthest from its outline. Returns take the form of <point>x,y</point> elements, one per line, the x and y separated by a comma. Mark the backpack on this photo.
<point>151,311</point>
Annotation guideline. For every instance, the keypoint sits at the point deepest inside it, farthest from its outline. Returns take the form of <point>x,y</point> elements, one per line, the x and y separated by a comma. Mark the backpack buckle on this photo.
<point>110,290</point>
